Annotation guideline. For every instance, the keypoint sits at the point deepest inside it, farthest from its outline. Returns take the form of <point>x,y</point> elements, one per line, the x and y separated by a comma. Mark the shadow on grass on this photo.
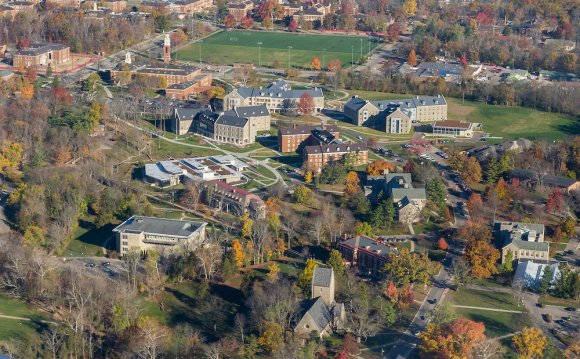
<point>96,236</point>
<point>494,327</point>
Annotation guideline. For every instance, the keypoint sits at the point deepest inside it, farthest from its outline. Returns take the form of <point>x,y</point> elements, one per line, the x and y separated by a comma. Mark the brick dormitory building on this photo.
<point>319,145</point>
<point>41,55</point>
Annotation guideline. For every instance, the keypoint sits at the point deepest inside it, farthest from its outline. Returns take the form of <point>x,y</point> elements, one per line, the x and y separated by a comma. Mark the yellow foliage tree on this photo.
<point>412,59</point>
<point>27,91</point>
<point>351,184</point>
<point>410,7</point>
<point>34,236</point>
<point>216,91</point>
<point>530,343</point>
<point>308,177</point>
<point>378,167</point>
<point>315,63</point>
<point>273,272</point>
<point>271,337</point>
<point>482,257</point>
<point>305,277</point>
<point>238,251</point>
<point>11,155</point>
<point>573,351</point>
<point>247,224</point>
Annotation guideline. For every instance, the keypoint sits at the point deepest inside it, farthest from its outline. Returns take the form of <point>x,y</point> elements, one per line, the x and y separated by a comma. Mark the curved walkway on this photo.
<point>489,309</point>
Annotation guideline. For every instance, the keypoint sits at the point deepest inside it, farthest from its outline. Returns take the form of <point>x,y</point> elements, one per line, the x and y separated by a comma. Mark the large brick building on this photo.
<point>292,138</point>
<point>317,156</point>
<point>41,55</point>
<point>240,10</point>
<point>368,255</point>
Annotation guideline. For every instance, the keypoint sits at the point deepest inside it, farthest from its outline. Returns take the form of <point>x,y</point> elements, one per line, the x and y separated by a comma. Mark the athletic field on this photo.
<point>228,47</point>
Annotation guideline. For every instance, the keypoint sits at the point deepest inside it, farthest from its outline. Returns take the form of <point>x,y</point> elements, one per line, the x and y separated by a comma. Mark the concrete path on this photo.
<point>489,309</point>
<point>25,319</point>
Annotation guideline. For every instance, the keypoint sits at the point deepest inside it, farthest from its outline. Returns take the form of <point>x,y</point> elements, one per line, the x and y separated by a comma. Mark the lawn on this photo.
<point>87,240</point>
<point>18,329</point>
<point>496,323</point>
<point>561,302</point>
<point>242,46</point>
<point>163,150</point>
<point>486,299</point>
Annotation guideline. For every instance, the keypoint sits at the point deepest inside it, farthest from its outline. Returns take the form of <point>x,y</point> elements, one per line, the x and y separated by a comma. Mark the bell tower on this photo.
<point>166,49</point>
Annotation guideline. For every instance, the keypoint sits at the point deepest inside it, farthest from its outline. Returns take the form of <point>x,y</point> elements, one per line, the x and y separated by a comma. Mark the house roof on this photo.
<point>368,245</point>
<point>40,48</point>
<point>527,245</point>
<point>187,112</point>
<point>277,89</point>
<point>412,193</point>
<point>305,129</point>
<point>322,277</point>
<point>549,180</point>
<point>251,111</point>
<point>432,69</point>
<point>318,311</point>
<point>335,148</point>
<point>355,103</point>
<point>231,120</point>
<point>453,124</point>
<point>163,226</point>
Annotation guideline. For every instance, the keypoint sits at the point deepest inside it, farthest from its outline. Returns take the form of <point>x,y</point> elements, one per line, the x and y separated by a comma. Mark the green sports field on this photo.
<point>228,47</point>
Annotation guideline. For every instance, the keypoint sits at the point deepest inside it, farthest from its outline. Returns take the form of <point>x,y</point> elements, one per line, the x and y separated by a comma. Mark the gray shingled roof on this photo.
<point>532,246</point>
<point>153,225</point>
<point>355,103</point>
<point>322,277</point>
<point>319,312</point>
<point>252,111</point>
<point>231,120</point>
<point>279,89</point>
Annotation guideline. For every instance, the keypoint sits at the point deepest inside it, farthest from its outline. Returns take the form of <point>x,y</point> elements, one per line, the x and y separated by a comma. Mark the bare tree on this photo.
<point>212,351</point>
<point>487,349</point>
<point>209,256</point>
<point>240,321</point>
<point>318,223</point>
<point>152,340</point>
<point>259,237</point>
<point>191,196</point>
<point>52,340</point>
<point>518,291</point>
<point>291,221</point>
<point>363,319</point>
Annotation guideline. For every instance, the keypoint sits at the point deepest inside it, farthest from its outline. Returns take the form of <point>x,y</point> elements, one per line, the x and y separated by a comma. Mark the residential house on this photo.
<point>317,156</point>
<point>144,233</point>
<point>277,97</point>
<point>320,314</point>
<point>566,45</point>
<point>41,55</point>
<point>534,179</point>
<point>290,139</point>
<point>452,128</point>
<point>408,201</point>
<point>524,240</point>
<point>396,116</point>
<point>225,197</point>
<point>488,152</point>
<point>368,255</point>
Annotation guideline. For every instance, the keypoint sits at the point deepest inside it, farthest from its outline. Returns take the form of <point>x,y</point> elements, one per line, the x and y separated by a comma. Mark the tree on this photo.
<point>336,262</point>
<point>412,59</point>
<point>378,167</point>
<point>410,8</point>
<point>247,22</point>
<point>216,92</point>
<point>555,201</point>
<point>475,204</point>
<point>436,193</point>
<point>247,225</point>
<point>530,343</point>
<point>461,272</point>
<point>363,229</point>
<point>315,63</point>
<point>568,226</point>
<point>238,252</point>
<point>293,26</point>
<point>27,91</point>
<point>475,230</point>
<point>273,272</point>
<point>308,177</point>
<point>271,337</point>
<point>545,281</point>
<point>333,65</point>
<point>482,258</point>
<point>452,340</point>
<point>471,173</point>
<point>508,265</point>
<point>351,184</point>
<point>230,22</point>
<point>442,314</point>
<point>406,267</point>
<point>302,194</point>
<point>463,60</point>
<point>305,278</point>
<point>178,37</point>
<point>442,244</point>
<point>306,104</point>
<point>209,257</point>
<point>573,351</point>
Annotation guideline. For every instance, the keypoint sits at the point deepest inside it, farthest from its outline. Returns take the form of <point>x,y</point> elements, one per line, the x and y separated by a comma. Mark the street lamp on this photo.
<point>361,50</point>
<point>289,48</point>
<point>352,55</point>
<point>260,53</point>
<point>323,56</point>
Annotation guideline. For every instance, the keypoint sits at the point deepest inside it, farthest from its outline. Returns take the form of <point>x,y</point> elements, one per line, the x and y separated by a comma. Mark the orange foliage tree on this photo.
<point>412,60</point>
<point>351,184</point>
<point>315,63</point>
<point>482,257</point>
<point>378,167</point>
<point>442,244</point>
<point>452,340</point>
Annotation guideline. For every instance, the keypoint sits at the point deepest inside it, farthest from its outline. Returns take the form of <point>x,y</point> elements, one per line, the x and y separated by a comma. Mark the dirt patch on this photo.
<point>457,111</point>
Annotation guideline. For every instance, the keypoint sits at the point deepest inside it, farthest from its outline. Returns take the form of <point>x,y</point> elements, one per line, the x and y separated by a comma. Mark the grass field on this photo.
<point>18,329</point>
<point>242,46</point>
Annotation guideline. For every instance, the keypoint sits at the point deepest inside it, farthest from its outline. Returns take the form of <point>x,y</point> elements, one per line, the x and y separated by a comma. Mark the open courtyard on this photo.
<point>228,47</point>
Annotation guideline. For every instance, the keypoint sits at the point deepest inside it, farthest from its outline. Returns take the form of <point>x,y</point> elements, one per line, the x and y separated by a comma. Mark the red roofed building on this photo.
<point>367,254</point>
<point>225,197</point>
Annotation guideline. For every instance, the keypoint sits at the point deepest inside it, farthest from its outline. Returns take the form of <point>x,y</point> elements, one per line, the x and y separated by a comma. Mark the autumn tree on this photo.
<point>238,253</point>
<point>333,65</point>
<point>306,104</point>
<point>482,257</point>
<point>475,204</point>
<point>27,91</point>
<point>315,63</point>
<point>555,201</point>
<point>271,336</point>
<point>442,244</point>
<point>178,37</point>
<point>247,22</point>
<point>363,229</point>
<point>378,167</point>
<point>406,267</point>
<point>293,26</point>
<point>247,224</point>
<point>471,173</point>
<point>410,8</point>
<point>302,194</point>
<point>305,277</point>
<point>273,272</point>
<point>530,343</point>
<point>351,184</point>
<point>308,177</point>
<point>475,230</point>
<point>412,59</point>
<point>230,22</point>
<point>452,340</point>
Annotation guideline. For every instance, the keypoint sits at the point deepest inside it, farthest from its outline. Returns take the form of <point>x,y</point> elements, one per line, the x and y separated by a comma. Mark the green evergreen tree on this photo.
<point>336,263</point>
<point>544,286</point>
<point>492,172</point>
<point>389,213</point>
<point>509,258</point>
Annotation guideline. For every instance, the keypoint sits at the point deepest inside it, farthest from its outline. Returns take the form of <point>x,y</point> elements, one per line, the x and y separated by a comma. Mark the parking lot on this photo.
<point>113,268</point>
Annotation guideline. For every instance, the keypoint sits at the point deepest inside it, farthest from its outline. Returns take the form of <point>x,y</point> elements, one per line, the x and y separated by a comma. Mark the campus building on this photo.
<point>116,6</point>
<point>317,156</point>
<point>277,97</point>
<point>532,179</point>
<point>524,240</point>
<point>236,201</point>
<point>368,255</point>
<point>395,116</point>
<point>169,173</point>
<point>408,201</point>
<point>41,55</point>
<point>290,139</point>
<point>144,233</point>
<point>240,10</point>
<point>452,128</point>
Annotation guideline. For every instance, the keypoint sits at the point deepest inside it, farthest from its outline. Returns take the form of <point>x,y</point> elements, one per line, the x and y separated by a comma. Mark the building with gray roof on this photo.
<point>524,240</point>
<point>408,200</point>
<point>143,233</point>
<point>277,97</point>
<point>367,254</point>
<point>395,116</point>
<point>530,273</point>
